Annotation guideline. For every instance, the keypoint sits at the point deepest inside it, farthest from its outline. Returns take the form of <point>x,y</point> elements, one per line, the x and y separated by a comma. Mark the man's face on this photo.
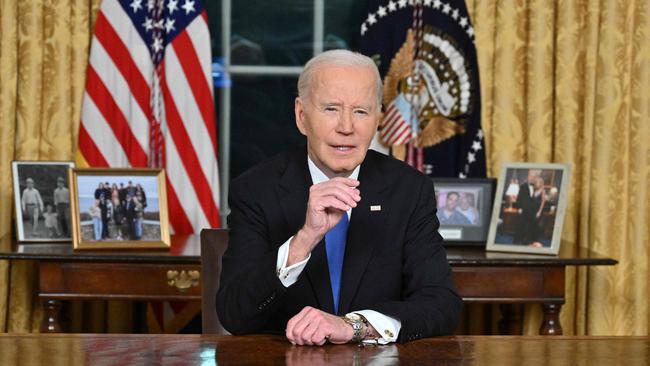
<point>30,184</point>
<point>463,203</point>
<point>452,202</point>
<point>339,118</point>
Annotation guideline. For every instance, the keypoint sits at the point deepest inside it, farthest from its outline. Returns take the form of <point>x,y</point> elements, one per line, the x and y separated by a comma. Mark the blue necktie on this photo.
<point>335,247</point>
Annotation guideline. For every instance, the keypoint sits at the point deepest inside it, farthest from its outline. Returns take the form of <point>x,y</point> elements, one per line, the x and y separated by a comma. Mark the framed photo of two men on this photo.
<point>463,208</point>
<point>119,209</point>
<point>529,210</point>
<point>42,201</point>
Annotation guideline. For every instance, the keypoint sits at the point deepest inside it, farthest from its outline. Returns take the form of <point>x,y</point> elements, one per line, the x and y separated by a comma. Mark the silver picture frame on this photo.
<point>529,207</point>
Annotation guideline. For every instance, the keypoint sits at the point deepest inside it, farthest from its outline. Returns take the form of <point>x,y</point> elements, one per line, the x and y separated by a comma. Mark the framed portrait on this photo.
<point>119,209</point>
<point>529,208</point>
<point>463,209</point>
<point>42,200</point>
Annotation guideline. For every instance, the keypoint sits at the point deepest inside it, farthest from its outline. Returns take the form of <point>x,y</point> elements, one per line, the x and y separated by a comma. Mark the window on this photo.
<point>267,44</point>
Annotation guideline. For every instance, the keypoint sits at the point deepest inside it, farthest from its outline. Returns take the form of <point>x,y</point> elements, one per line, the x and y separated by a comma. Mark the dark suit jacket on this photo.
<point>394,259</point>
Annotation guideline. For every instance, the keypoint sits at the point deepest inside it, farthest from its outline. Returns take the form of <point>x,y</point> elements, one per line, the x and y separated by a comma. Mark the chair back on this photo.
<point>213,244</point>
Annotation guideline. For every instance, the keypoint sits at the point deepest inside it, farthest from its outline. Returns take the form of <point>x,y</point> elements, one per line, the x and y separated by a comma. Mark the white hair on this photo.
<point>336,58</point>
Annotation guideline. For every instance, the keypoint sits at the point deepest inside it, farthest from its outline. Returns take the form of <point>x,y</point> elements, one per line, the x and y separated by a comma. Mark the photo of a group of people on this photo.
<point>118,208</point>
<point>530,208</point>
<point>42,201</point>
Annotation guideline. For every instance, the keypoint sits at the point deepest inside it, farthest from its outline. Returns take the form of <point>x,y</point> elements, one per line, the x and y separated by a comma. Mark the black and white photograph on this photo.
<point>42,201</point>
<point>529,212</point>
<point>463,208</point>
<point>119,208</point>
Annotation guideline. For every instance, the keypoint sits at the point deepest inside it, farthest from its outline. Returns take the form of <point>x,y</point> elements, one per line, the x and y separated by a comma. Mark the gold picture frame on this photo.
<point>133,217</point>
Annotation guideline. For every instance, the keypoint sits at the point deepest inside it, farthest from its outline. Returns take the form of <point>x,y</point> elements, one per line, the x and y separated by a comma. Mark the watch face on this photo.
<point>354,317</point>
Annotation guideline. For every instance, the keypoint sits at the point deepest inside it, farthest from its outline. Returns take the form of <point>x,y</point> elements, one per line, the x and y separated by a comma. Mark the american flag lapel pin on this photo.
<point>375,208</point>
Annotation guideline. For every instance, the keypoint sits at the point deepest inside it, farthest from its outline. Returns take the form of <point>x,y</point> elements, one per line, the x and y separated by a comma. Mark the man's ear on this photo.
<point>300,115</point>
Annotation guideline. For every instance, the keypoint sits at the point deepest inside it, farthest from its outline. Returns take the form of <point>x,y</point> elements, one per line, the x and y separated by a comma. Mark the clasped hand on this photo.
<point>314,327</point>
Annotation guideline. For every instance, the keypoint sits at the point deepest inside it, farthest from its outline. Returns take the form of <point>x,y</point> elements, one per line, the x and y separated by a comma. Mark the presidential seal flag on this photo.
<point>149,102</point>
<point>432,105</point>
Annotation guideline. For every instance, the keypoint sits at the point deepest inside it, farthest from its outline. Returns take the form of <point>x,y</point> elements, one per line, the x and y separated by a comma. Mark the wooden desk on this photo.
<point>75,349</point>
<point>480,277</point>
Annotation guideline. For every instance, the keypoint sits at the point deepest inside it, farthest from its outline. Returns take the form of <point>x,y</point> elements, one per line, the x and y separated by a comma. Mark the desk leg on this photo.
<point>510,323</point>
<point>51,316</point>
<point>551,323</point>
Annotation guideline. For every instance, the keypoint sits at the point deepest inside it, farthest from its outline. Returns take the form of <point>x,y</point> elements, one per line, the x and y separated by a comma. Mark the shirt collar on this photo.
<point>317,175</point>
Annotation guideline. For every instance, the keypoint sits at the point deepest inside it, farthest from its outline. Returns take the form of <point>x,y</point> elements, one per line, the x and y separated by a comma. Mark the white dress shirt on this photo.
<point>387,327</point>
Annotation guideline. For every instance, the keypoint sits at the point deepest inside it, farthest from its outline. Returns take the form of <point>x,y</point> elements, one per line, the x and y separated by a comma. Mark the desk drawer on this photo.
<point>510,284</point>
<point>127,281</point>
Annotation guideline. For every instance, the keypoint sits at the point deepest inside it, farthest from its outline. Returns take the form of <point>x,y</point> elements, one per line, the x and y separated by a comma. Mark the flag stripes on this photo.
<point>149,92</point>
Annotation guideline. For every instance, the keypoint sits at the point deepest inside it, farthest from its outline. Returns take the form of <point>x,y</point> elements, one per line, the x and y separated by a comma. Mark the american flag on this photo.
<point>149,102</point>
<point>396,126</point>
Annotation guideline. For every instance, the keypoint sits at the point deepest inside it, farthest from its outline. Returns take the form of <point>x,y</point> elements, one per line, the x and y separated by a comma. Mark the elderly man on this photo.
<point>529,208</point>
<point>335,242</point>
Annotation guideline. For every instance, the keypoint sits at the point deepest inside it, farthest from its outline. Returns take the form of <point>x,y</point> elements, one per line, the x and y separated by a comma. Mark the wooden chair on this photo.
<point>213,244</point>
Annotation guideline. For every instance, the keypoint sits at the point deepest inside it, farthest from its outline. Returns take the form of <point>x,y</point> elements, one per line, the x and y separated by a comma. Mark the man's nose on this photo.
<point>345,125</point>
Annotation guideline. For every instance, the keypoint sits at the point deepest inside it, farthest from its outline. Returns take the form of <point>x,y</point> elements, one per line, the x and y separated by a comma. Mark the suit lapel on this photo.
<point>295,184</point>
<point>364,231</point>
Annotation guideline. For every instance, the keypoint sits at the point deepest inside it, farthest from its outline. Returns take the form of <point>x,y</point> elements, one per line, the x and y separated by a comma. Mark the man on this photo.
<point>32,204</point>
<point>336,243</point>
<point>528,208</point>
<point>449,215</point>
<point>62,204</point>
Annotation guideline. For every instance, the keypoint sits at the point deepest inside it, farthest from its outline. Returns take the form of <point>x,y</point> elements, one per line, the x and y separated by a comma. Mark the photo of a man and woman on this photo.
<point>42,200</point>
<point>119,208</point>
<point>531,207</point>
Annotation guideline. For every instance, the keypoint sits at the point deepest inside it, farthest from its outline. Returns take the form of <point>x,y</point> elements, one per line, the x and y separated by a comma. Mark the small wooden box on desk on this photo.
<point>175,275</point>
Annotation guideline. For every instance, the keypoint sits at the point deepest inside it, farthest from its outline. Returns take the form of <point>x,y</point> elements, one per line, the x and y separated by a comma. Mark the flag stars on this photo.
<point>188,6</point>
<point>136,5</point>
<point>157,44</point>
<point>402,3</point>
<point>169,25</point>
<point>151,4</point>
<point>372,19</point>
<point>159,24</point>
<point>479,134</point>
<point>392,6</point>
<point>463,22</point>
<point>446,9</point>
<point>172,6</point>
<point>381,12</point>
<point>454,14</point>
<point>471,157</point>
<point>364,28</point>
<point>437,4</point>
<point>148,24</point>
<point>427,2</point>
<point>476,145</point>
<point>470,31</point>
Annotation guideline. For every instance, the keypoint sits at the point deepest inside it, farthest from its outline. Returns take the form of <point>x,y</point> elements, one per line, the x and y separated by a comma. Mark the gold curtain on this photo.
<point>43,55</point>
<point>568,81</point>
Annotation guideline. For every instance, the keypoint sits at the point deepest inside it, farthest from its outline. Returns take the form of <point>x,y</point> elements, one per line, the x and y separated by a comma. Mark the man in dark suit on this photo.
<point>335,242</point>
<point>528,207</point>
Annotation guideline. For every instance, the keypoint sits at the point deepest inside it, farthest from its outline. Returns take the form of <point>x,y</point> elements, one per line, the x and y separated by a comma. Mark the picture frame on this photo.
<point>135,216</point>
<point>530,222</point>
<point>42,200</point>
<point>465,220</point>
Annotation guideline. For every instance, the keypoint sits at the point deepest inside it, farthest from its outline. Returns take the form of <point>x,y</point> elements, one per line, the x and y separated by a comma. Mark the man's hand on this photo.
<point>328,202</point>
<point>315,327</point>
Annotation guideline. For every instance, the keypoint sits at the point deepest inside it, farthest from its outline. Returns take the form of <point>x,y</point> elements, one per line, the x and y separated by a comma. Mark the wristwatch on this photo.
<point>357,322</point>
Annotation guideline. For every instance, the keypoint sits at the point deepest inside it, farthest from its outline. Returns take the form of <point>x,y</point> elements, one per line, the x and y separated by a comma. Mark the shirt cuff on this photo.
<point>387,327</point>
<point>288,275</point>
